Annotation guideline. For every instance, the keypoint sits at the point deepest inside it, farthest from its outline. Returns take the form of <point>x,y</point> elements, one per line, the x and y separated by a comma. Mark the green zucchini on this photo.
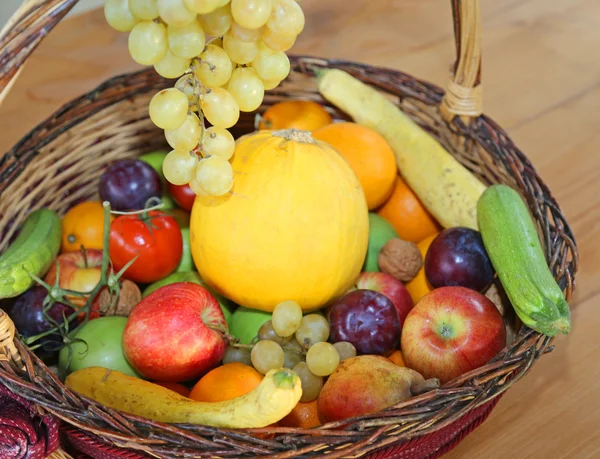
<point>33,251</point>
<point>512,242</point>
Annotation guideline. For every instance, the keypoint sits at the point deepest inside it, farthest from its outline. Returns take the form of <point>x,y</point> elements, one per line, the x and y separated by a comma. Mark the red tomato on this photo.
<point>183,196</point>
<point>157,240</point>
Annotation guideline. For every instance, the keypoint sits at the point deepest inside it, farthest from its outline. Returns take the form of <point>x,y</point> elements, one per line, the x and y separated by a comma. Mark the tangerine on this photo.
<point>397,358</point>
<point>226,382</point>
<point>411,220</point>
<point>419,286</point>
<point>83,225</point>
<point>295,114</point>
<point>304,415</point>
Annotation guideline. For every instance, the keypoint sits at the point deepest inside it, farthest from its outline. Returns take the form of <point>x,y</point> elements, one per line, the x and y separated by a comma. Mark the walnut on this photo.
<point>401,259</point>
<point>129,297</point>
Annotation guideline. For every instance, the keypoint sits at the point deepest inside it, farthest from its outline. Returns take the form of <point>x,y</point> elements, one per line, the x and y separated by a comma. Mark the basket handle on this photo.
<point>23,33</point>
<point>463,96</point>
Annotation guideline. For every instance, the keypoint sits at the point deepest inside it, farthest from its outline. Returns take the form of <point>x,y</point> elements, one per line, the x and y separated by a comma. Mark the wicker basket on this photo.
<point>70,151</point>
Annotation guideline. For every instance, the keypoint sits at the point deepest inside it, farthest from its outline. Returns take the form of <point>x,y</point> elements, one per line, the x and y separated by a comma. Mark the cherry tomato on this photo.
<point>155,239</point>
<point>183,196</point>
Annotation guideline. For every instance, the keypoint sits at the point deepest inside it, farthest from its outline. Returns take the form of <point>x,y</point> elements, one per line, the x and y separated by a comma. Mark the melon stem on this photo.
<point>296,135</point>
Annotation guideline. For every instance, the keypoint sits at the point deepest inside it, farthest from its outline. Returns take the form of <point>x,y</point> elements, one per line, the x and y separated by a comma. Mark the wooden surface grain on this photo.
<point>541,76</point>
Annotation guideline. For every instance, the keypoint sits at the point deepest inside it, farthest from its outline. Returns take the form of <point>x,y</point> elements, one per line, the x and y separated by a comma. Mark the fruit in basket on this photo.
<point>389,286</point>
<point>451,331</point>
<point>155,160</point>
<point>175,387</point>
<point>245,323</point>
<point>305,115</point>
<point>345,350</point>
<point>368,320</point>
<point>176,333</point>
<point>79,271</point>
<point>183,196</point>
<point>380,232</point>
<point>32,252</point>
<point>83,225</point>
<point>367,384</point>
<point>186,263</point>
<point>419,286</point>
<point>304,416</point>
<point>267,355</point>
<point>445,187</point>
<point>311,383</point>
<point>407,214</point>
<point>314,328</point>
<point>457,257</point>
<point>273,399</point>
<point>153,239</point>
<point>295,199</point>
<point>228,381</point>
<point>322,359</point>
<point>512,242</point>
<point>397,358</point>
<point>237,354</point>
<point>129,183</point>
<point>97,343</point>
<point>27,313</point>
<point>369,155</point>
<point>119,16</point>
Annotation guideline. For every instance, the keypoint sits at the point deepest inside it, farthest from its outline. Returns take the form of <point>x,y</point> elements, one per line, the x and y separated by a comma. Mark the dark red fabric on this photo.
<point>24,434</point>
<point>430,446</point>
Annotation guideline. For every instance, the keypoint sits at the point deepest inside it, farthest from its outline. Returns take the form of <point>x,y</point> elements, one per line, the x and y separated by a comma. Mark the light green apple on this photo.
<point>228,307</point>
<point>155,160</point>
<point>380,231</point>
<point>186,263</point>
<point>246,322</point>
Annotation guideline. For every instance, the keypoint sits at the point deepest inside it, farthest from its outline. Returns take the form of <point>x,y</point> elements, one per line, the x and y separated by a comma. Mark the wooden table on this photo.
<point>541,79</point>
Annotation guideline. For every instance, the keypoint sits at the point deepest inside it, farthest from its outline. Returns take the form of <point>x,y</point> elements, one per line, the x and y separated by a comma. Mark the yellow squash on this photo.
<point>273,399</point>
<point>294,227</point>
<point>448,189</point>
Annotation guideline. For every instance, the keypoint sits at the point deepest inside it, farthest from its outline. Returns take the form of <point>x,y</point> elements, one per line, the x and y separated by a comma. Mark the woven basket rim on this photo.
<point>475,387</point>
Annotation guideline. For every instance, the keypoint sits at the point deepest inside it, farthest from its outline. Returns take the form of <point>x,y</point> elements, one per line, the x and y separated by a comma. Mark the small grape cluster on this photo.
<point>226,53</point>
<point>298,342</point>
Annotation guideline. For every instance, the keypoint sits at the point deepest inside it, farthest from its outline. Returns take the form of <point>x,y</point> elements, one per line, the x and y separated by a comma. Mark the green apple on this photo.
<point>227,306</point>
<point>380,231</point>
<point>181,216</point>
<point>155,160</point>
<point>98,343</point>
<point>246,322</point>
<point>186,263</point>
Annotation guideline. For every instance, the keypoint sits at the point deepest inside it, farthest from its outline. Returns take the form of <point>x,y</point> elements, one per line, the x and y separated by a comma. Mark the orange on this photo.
<point>369,156</point>
<point>397,358</point>
<point>409,217</point>
<point>304,415</point>
<point>175,387</point>
<point>295,114</point>
<point>226,382</point>
<point>83,225</point>
<point>419,286</point>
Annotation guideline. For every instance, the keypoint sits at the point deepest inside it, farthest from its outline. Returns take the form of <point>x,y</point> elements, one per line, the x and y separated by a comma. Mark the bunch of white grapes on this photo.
<point>226,53</point>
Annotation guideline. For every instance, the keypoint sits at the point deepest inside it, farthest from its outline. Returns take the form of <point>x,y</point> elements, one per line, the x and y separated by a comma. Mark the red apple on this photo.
<point>451,330</point>
<point>80,271</point>
<point>389,286</point>
<point>175,334</point>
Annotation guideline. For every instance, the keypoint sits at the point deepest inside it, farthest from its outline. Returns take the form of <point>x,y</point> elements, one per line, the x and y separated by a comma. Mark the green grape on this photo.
<point>251,14</point>
<point>168,108</point>
<point>247,88</point>
<point>322,359</point>
<point>223,2</point>
<point>267,355</point>
<point>311,383</point>
<point>345,349</point>
<point>187,40</point>
<point>147,42</point>
<point>216,23</point>
<point>172,66</point>
<point>286,18</point>
<point>196,187</point>
<point>291,358</point>
<point>218,142</point>
<point>214,175</point>
<point>214,68</point>
<point>119,16</point>
<point>186,85</point>
<point>237,354</point>
<point>179,167</point>
<point>144,9</point>
<point>220,108</point>
<point>286,319</point>
<point>240,52</point>
<point>243,34</point>
<point>314,328</point>
<point>186,136</point>
<point>271,65</point>
<point>201,6</point>
<point>270,84</point>
<point>266,332</point>
<point>277,41</point>
<point>175,13</point>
